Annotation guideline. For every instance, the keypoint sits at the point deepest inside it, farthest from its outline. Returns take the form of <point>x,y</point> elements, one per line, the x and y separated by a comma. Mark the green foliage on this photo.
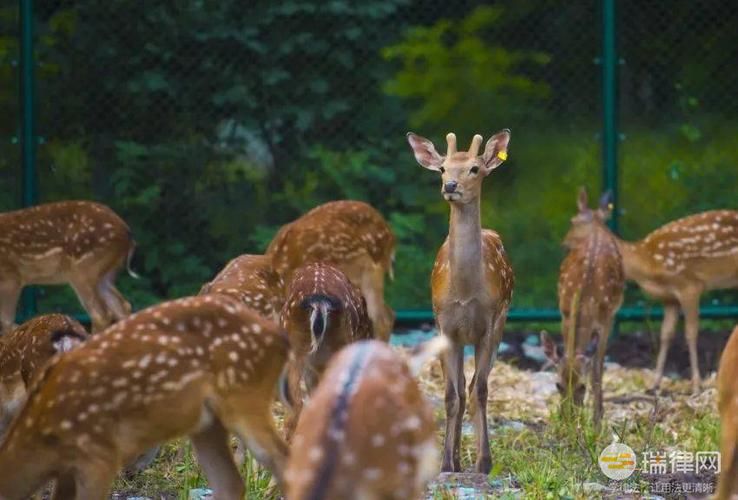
<point>455,69</point>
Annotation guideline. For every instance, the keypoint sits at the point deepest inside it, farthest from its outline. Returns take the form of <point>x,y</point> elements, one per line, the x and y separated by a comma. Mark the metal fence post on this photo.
<point>28,128</point>
<point>609,107</point>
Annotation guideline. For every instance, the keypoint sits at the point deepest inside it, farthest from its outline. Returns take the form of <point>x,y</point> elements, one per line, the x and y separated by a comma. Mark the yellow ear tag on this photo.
<point>502,155</point>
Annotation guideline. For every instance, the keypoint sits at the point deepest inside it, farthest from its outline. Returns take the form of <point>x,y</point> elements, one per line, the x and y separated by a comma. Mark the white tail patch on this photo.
<point>318,323</point>
<point>66,343</point>
<point>426,351</point>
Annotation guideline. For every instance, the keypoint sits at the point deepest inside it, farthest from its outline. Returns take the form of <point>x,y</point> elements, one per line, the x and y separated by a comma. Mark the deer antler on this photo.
<point>474,146</point>
<point>451,141</point>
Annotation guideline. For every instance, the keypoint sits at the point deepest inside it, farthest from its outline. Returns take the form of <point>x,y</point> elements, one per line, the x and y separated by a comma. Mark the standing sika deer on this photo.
<point>727,381</point>
<point>676,264</point>
<point>472,284</point>
<point>350,235</point>
<point>591,284</point>
<point>199,366</point>
<point>25,350</point>
<point>323,313</point>
<point>81,243</point>
<point>251,280</point>
<point>368,432</point>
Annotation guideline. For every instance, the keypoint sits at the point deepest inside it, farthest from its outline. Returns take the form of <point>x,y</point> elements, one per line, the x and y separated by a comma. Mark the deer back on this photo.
<point>337,233</point>
<point>162,373</point>
<point>69,231</point>
<point>367,431</point>
<point>251,280</point>
<point>703,246</point>
<point>346,316</point>
<point>591,284</point>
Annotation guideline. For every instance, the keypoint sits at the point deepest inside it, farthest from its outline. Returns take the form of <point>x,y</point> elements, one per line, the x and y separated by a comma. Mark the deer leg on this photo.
<point>484,354</point>
<point>64,487</point>
<point>691,308</point>
<point>453,367</point>
<point>93,480</point>
<point>294,388</point>
<point>598,367</point>
<point>9,294</point>
<point>257,432</point>
<point>372,287</point>
<point>214,456</point>
<point>668,329</point>
<point>89,296</point>
<point>111,296</point>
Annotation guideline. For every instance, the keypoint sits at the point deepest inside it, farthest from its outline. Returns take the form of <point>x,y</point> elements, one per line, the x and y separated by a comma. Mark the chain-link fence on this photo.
<point>208,124</point>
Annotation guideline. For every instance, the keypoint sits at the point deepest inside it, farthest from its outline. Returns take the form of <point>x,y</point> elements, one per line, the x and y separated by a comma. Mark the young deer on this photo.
<point>25,350</point>
<point>727,381</point>
<point>323,313</point>
<point>368,432</point>
<point>591,284</point>
<point>676,264</point>
<point>472,284</point>
<point>199,366</point>
<point>81,243</point>
<point>252,280</point>
<point>350,235</point>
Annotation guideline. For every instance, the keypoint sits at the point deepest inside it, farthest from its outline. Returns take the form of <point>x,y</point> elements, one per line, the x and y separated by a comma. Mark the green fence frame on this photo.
<point>610,137</point>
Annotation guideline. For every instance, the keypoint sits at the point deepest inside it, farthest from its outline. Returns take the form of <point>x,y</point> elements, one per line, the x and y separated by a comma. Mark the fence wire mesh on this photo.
<point>206,124</point>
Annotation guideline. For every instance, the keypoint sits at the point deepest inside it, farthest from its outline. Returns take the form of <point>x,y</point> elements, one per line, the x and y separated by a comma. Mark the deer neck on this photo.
<point>465,248</point>
<point>634,265</point>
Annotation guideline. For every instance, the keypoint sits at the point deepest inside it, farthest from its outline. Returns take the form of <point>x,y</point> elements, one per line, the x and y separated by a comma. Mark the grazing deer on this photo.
<point>354,237</point>
<point>368,432</point>
<point>323,312</point>
<point>676,264</point>
<point>472,284</point>
<point>251,280</point>
<point>25,350</point>
<point>727,381</point>
<point>81,243</point>
<point>199,366</point>
<point>591,284</point>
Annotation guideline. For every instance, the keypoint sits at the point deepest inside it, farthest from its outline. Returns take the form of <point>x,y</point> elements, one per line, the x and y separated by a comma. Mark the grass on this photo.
<point>537,452</point>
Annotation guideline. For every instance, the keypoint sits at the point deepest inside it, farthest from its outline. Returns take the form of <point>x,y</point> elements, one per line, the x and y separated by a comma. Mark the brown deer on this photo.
<point>472,284</point>
<point>323,312</point>
<point>252,280</point>
<point>81,243</point>
<point>367,432</point>
<point>727,382</point>
<point>199,366</point>
<point>351,235</point>
<point>591,284</point>
<point>25,350</point>
<point>676,264</point>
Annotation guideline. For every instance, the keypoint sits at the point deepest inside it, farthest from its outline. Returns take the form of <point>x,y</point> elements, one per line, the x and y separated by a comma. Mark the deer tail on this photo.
<point>427,351</point>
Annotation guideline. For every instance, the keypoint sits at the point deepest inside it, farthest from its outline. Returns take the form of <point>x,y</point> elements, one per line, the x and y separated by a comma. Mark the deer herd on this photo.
<point>306,324</point>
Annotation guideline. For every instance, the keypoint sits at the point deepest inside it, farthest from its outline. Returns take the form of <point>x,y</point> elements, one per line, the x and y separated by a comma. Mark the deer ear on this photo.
<point>605,209</point>
<point>582,200</point>
<point>549,347</point>
<point>495,151</point>
<point>425,152</point>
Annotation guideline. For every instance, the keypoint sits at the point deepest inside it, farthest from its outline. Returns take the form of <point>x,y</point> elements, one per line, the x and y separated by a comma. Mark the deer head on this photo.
<point>587,220</point>
<point>572,370</point>
<point>461,172</point>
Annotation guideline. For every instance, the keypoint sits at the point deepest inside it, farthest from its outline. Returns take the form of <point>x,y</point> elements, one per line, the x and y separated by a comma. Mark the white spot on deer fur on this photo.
<point>65,425</point>
<point>233,356</point>
<point>120,382</point>
<point>378,440</point>
<point>372,474</point>
<point>144,361</point>
<point>315,453</point>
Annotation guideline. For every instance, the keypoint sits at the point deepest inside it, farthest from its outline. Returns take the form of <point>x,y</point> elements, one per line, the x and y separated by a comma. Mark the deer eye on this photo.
<point>474,170</point>
<point>441,169</point>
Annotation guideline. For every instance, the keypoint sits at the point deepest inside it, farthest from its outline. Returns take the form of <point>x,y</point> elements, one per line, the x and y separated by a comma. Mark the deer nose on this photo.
<point>450,186</point>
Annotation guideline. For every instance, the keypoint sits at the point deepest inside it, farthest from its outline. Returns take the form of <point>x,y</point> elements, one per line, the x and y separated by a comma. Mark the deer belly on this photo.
<point>47,268</point>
